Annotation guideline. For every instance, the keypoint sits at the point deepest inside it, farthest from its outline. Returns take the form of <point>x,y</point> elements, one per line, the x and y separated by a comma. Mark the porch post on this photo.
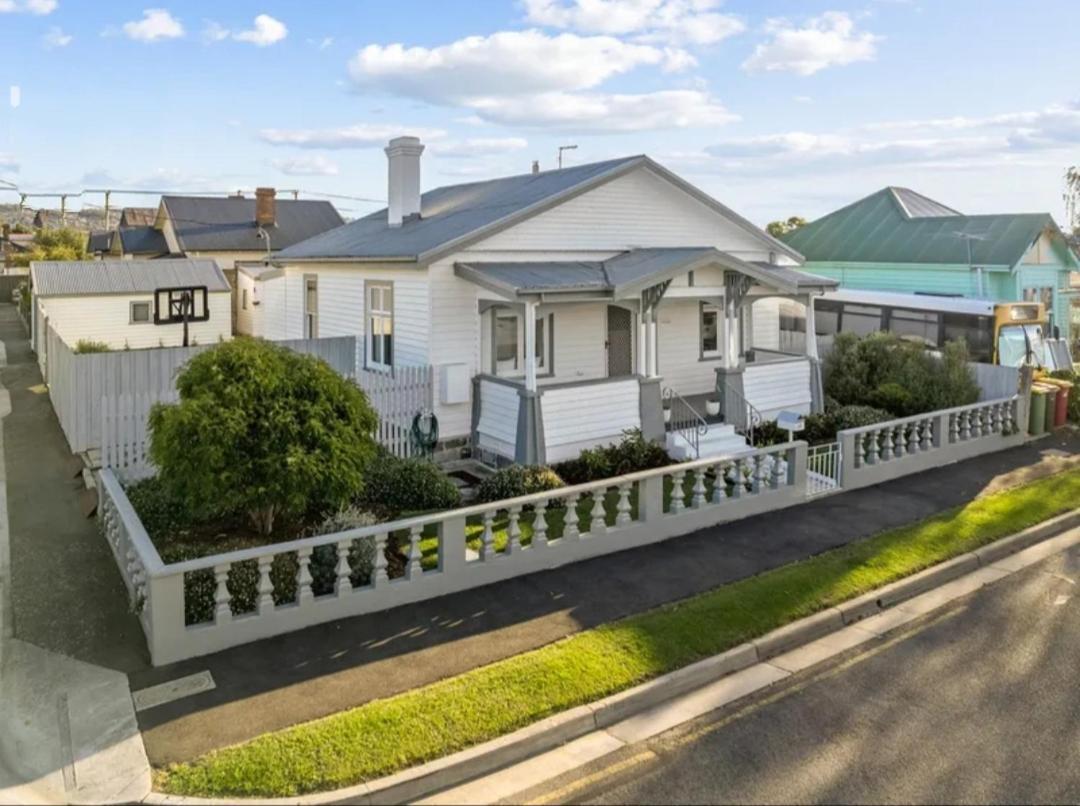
<point>530,346</point>
<point>811,329</point>
<point>654,363</point>
<point>643,340</point>
<point>730,357</point>
<point>817,384</point>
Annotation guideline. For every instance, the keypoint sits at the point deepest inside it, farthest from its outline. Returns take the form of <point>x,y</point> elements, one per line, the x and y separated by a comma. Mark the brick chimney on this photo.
<point>403,154</point>
<point>265,207</point>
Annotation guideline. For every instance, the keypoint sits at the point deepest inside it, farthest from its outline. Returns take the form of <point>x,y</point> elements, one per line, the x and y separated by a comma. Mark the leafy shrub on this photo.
<point>517,480</point>
<point>631,454</point>
<point>265,431</point>
<point>822,428</point>
<point>887,372</point>
<point>90,346</point>
<point>393,486</point>
<point>163,513</point>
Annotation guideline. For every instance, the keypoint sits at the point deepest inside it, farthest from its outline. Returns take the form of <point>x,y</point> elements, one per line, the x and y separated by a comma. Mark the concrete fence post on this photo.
<point>452,546</point>
<point>165,600</point>
<point>848,448</point>
<point>941,429</point>
<point>796,458</point>
<point>651,499</point>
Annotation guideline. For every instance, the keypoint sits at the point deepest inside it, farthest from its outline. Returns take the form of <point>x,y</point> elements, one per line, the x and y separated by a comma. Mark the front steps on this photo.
<point>719,440</point>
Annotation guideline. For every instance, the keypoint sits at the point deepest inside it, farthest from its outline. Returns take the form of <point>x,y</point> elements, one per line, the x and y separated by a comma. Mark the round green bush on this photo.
<point>515,481</point>
<point>630,454</point>
<point>393,486</point>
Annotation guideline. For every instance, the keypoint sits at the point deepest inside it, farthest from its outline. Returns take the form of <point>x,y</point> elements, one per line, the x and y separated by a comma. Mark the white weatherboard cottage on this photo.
<point>556,306</point>
<point>114,302</point>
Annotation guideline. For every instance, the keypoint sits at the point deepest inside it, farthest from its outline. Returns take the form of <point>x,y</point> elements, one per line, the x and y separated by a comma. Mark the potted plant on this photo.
<point>712,406</point>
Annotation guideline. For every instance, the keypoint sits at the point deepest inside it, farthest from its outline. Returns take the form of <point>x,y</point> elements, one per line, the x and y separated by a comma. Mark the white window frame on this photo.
<point>378,316</point>
<point>311,317</point>
<point>545,326</point>
<point>149,320</point>
<point>718,309</point>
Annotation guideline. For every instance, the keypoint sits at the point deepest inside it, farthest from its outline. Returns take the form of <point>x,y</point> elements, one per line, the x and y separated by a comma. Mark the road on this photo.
<point>977,703</point>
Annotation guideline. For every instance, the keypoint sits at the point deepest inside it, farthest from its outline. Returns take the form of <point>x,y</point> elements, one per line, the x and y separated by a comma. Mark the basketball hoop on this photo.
<point>180,305</point>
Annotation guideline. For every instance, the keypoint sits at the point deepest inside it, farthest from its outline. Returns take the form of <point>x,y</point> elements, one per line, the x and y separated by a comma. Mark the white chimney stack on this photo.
<point>403,154</point>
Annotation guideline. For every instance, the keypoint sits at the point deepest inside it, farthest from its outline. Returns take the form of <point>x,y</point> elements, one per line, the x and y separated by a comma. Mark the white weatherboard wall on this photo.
<point>639,209</point>
<point>341,305</point>
<point>497,429</point>
<point>679,337</point>
<point>584,416</point>
<point>107,318</point>
<point>249,321</point>
<point>778,386</point>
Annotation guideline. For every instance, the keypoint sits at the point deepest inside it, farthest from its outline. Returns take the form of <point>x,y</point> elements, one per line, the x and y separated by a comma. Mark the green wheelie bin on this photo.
<point>1037,416</point>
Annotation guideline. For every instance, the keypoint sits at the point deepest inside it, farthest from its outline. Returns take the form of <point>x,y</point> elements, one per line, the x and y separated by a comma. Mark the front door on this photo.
<point>620,329</point>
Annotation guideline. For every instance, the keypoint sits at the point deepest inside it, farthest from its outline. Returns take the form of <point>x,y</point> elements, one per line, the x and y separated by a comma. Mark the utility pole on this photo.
<point>108,193</point>
<point>562,149</point>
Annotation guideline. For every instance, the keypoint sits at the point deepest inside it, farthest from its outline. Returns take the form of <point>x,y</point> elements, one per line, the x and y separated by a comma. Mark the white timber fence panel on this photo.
<point>398,396</point>
<point>340,352</point>
<point>125,433</point>
<point>995,382</point>
<point>182,620</point>
<point>884,451</point>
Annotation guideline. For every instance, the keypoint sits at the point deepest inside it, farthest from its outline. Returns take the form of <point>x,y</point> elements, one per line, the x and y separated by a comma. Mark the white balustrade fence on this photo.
<point>202,606</point>
<point>883,451</point>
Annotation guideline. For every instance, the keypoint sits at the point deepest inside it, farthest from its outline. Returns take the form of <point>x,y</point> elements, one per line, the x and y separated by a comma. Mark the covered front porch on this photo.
<point>574,353</point>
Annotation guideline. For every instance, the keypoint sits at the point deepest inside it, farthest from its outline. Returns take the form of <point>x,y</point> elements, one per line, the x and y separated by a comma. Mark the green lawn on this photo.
<point>383,736</point>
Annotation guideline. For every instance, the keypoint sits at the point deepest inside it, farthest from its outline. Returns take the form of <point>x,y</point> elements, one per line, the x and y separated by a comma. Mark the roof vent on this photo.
<point>403,154</point>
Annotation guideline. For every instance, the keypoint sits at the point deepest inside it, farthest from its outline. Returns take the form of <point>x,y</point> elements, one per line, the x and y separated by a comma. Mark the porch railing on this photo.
<point>685,421</point>
<point>743,416</point>
<point>823,469</point>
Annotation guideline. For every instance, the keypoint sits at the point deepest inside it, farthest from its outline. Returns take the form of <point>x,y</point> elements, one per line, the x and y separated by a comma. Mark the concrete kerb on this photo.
<point>550,733</point>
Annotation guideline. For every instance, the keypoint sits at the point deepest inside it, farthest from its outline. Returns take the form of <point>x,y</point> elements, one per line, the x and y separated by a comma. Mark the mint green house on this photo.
<point>901,241</point>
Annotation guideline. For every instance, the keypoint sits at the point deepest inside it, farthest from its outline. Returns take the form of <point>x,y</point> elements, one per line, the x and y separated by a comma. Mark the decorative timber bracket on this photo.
<point>652,295</point>
<point>737,286</point>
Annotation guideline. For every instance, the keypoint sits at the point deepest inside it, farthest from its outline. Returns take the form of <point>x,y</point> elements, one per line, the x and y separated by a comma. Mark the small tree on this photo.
<point>54,244</point>
<point>778,229</point>
<point>265,431</point>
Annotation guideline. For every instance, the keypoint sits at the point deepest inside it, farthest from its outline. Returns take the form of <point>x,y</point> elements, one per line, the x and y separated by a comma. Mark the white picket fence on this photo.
<point>397,397</point>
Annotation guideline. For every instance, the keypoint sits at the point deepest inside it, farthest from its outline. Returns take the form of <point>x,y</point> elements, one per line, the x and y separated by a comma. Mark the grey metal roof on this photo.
<point>51,278</point>
<point>227,224</point>
<point>455,215</point>
<point>627,273</point>
<point>99,242</point>
<point>916,205</point>
<point>142,241</point>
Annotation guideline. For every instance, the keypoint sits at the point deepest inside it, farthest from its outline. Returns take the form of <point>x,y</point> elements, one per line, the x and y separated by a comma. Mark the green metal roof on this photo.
<point>897,225</point>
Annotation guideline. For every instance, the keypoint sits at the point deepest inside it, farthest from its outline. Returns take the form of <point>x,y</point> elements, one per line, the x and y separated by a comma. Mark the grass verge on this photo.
<point>384,736</point>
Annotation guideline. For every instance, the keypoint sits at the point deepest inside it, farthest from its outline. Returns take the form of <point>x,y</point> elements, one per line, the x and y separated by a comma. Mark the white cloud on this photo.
<point>691,22</point>
<point>56,38</point>
<point>504,64</point>
<point>316,165</point>
<point>265,31</point>
<point>363,135</point>
<point>39,7</point>
<point>321,44</point>
<point>157,23</point>
<point>605,112</point>
<point>479,146</point>
<point>826,41</point>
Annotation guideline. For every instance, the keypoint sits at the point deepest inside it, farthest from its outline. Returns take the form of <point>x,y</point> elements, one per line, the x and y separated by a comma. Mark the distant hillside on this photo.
<point>85,220</point>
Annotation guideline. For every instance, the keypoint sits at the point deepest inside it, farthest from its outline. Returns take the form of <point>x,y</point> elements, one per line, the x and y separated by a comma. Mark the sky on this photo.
<point>775,108</point>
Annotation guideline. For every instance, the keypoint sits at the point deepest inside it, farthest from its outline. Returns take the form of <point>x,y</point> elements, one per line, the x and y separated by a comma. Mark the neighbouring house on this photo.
<point>556,307</point>
<point>128,304</point>
<point>222,228</point>
<point>99,243</point>
<point>138,216</point>
<point>899,240</point>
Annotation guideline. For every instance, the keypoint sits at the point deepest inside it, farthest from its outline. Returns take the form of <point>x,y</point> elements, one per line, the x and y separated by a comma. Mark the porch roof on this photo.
<point>627,273</point>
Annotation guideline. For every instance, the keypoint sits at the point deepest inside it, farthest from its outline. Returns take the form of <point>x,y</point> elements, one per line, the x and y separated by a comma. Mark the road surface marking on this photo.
<point>597,777</point>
